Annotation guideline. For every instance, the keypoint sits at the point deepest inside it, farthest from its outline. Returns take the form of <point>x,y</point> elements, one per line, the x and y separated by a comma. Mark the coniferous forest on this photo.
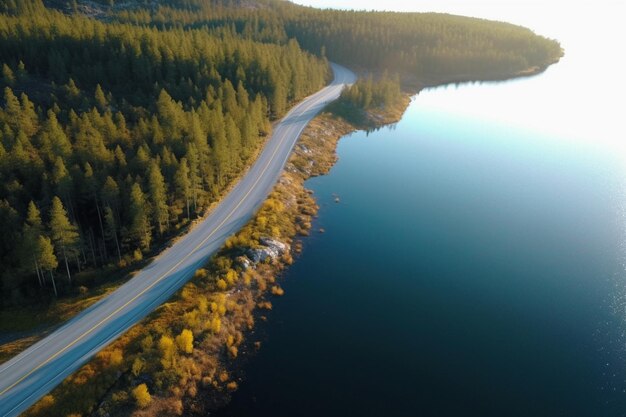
<point>122,121</point>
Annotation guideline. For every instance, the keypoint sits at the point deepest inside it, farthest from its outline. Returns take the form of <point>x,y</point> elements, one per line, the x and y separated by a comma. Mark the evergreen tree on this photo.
<point>7,75</point>
<point>46,259</point>
<point>139,226</point>
<point>110,230</point>
<point>158,197</point>
<point>31,232</point>
<point>194,175</point>
<point>100,99</point>
<point>55,143</point>
<point>64,234</point>
<point>111,193</point>
<point>183,184</point>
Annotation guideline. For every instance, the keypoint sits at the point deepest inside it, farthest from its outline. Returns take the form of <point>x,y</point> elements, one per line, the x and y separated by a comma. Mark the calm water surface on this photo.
<point>473,267</point>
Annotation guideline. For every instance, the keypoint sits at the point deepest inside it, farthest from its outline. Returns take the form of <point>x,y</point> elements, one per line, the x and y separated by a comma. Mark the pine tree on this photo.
<point>183,184</point>
<point>110,230</point>
<point>46,258</point>
<point>7,75</point>
<point>100,98</point>
<point>194,175</point>
<point>31,231</point>
<point>111,193</point>
<point>64,234</point>
<point>28,118</point>
<point>139,229</point>
<point>158,197</point>
<point>12,108</point>
<point>54,140</point>
<point>62,179</point>
<point>91,188</point>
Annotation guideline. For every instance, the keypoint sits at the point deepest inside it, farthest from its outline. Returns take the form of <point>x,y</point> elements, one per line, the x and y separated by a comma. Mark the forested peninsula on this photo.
<point>122,122</point>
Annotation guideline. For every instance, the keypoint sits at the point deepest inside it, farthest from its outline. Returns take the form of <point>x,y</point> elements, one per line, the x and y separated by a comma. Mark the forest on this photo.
<point>417,44</point>
<point>121,122</point>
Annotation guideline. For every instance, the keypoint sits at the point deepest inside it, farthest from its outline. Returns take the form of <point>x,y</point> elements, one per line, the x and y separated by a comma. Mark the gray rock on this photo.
<point>244,262</point>
<point>270,249</point>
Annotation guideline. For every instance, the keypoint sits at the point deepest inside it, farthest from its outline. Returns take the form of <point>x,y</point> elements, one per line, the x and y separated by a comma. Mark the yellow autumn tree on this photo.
<point>142,395</point>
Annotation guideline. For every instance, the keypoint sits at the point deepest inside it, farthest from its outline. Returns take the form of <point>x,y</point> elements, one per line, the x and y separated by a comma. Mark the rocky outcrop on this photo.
<point>270,249</point>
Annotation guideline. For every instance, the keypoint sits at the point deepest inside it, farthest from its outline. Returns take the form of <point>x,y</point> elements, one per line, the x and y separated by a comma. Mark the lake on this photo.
<point>474,266</point>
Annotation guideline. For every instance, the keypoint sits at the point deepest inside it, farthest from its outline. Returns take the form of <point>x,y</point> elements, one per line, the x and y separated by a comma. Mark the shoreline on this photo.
<point>284,219</point>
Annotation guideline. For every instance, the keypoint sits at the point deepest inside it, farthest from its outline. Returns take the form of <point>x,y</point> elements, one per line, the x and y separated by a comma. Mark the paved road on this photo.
<point>33,373</point>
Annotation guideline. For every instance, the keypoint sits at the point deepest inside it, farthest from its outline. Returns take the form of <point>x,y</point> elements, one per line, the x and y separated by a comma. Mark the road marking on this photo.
<point>193,251</point>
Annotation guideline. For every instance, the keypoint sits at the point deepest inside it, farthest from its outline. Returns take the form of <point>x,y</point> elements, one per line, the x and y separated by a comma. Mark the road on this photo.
<point>34,372</point>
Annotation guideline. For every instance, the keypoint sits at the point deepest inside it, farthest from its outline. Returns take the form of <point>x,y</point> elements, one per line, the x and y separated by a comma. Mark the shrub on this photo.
<point>116,357</point>
<point>46,402</point>
<point>119,397</point>
<point>203,305</point>
<point>216,325</point>
<point>266,305</point>
<point>166,346</point>
<point>141,395</point>
<point>185,341</point>
<point>201,273</point>
<point>191,318</point>
<point>87,372</point>
<point>221,284</point>
<point>146,343</point>
<point>138,365</point>
<point>247,278</point>
<point>231,276</point>
<point>276,290</point>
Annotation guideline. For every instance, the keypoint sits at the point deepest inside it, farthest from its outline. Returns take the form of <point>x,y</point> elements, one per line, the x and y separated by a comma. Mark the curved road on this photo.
<point>34,372</point>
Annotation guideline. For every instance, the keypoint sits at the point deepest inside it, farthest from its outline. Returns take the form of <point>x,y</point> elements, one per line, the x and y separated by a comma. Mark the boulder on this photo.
<point>270,248</point>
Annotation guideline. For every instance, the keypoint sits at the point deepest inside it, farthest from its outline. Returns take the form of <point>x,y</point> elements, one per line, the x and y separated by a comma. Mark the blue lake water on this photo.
<point>474,266</point>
